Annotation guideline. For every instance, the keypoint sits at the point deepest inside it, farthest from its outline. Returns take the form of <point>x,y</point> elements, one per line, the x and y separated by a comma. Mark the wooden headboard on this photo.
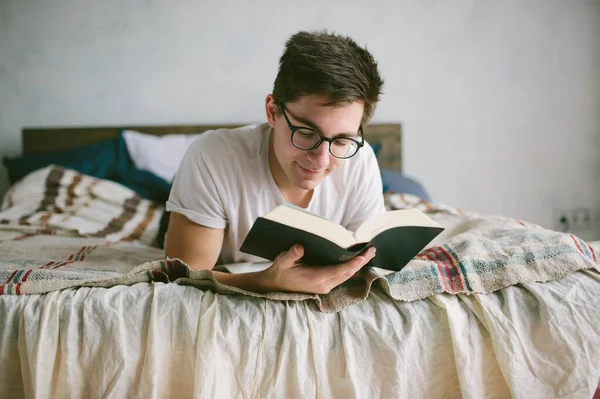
<point>39,140</point>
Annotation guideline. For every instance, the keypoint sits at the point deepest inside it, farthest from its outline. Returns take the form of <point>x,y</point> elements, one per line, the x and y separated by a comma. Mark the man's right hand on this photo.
<point>199,247</point>
<point>288,274</point>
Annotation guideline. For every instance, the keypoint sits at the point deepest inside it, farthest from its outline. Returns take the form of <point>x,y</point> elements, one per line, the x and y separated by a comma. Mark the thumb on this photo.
<point>295,253</point>
<point>289,257</point>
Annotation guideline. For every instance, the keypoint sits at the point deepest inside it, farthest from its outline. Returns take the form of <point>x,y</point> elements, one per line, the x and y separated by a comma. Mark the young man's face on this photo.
<point>305,169</point>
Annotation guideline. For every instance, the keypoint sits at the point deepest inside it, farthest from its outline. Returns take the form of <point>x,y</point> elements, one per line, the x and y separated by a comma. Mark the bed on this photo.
<point>494,307</point>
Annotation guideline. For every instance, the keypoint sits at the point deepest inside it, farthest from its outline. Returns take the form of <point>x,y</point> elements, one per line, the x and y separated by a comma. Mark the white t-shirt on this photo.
<point>224,182</point>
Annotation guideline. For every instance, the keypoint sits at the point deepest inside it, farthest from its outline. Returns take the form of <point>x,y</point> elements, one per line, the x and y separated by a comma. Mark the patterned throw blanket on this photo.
<point>61,229</point>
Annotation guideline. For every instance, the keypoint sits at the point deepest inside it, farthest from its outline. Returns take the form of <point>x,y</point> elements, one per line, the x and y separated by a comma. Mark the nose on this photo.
<point>319,157</point>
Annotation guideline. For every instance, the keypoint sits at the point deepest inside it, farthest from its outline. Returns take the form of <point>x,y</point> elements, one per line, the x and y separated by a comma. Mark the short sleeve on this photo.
<point>367,196</point>
<point>195,192</point>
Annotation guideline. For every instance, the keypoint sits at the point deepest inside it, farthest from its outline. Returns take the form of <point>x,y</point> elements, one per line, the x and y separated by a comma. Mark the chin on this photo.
<point>308,184</point>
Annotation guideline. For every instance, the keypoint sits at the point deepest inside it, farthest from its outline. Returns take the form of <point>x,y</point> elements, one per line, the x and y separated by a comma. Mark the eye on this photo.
<point>307,134</point>
<point>342,143</point>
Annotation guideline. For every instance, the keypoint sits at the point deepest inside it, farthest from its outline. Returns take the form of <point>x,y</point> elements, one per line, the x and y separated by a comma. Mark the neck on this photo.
<point>290,193</point>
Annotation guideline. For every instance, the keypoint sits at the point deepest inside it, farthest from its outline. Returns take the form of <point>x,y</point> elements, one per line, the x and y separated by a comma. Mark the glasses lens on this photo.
<point>305,138</point>
<point>343,148</point>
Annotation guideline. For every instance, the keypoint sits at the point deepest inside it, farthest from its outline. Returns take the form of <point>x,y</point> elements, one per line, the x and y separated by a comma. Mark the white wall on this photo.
<point>500,101</point>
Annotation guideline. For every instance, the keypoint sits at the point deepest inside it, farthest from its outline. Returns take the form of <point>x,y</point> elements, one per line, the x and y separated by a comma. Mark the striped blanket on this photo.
<point>61,229</point>
<point>59,198</point>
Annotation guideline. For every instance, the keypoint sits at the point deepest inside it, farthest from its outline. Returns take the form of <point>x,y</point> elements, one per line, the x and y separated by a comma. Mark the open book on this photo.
<point>397,235</point>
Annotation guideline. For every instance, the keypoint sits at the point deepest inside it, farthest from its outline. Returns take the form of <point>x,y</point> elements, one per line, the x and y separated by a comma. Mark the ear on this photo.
<point>271,110</point>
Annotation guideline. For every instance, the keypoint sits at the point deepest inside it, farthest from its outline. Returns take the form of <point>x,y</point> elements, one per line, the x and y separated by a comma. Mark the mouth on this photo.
<point>310,172</point>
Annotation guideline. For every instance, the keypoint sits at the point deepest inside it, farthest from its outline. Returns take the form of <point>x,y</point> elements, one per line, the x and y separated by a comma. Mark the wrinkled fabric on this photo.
<point>534,340</point>
<point>473,255</point>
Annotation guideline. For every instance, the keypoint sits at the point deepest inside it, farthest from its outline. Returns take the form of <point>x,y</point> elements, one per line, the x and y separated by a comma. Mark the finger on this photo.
<point>366,255</point>
<point>367,252</point>
<point>358,262</point>
<point>292,255</point>
<point>344,271</point>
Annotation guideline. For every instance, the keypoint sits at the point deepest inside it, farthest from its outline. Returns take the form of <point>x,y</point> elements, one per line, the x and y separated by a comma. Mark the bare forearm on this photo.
<point>253,282</point>
<point>288,274</point>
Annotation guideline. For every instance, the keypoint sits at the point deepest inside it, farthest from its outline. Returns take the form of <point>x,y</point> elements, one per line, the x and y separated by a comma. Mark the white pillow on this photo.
<point>160,155</point>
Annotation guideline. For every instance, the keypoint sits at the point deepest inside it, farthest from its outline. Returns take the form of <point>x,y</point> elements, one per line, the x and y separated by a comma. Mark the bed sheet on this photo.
<point>164,340</point>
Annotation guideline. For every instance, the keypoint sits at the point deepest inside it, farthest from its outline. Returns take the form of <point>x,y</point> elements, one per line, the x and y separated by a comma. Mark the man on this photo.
<point>311,153</point>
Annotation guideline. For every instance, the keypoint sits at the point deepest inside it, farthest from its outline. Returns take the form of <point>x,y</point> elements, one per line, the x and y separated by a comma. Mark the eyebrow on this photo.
<point>313,126</point>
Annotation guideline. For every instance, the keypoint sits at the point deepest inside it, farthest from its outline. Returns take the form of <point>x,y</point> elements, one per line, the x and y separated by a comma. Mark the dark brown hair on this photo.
<point>329,65</point>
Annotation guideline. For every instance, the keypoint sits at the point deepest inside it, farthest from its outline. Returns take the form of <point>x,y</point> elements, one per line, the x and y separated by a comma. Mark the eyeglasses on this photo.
<point>305,138</point>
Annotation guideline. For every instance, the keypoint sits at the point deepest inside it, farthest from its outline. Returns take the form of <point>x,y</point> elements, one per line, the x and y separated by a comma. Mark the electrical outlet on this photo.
<point>581,218</point>
<point>575,219</point>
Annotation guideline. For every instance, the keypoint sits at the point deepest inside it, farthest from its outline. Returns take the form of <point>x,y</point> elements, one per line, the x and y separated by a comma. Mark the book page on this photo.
<point>301,219</point>
<point>385,221</point>
<point>246,267</point>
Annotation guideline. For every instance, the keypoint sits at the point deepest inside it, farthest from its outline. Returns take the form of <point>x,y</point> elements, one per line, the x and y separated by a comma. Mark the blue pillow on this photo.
<point>94,160</point>
<point>400,183</point>
<point>107,159</point>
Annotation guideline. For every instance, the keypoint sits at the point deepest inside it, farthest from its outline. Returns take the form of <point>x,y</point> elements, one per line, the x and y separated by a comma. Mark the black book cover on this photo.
<point>395,246</point>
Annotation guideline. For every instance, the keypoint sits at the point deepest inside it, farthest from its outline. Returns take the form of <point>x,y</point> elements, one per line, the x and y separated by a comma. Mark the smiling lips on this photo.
<point>310,171</point>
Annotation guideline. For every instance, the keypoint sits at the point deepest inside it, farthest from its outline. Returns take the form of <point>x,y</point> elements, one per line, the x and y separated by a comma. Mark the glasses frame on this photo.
<point>322,138</point>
